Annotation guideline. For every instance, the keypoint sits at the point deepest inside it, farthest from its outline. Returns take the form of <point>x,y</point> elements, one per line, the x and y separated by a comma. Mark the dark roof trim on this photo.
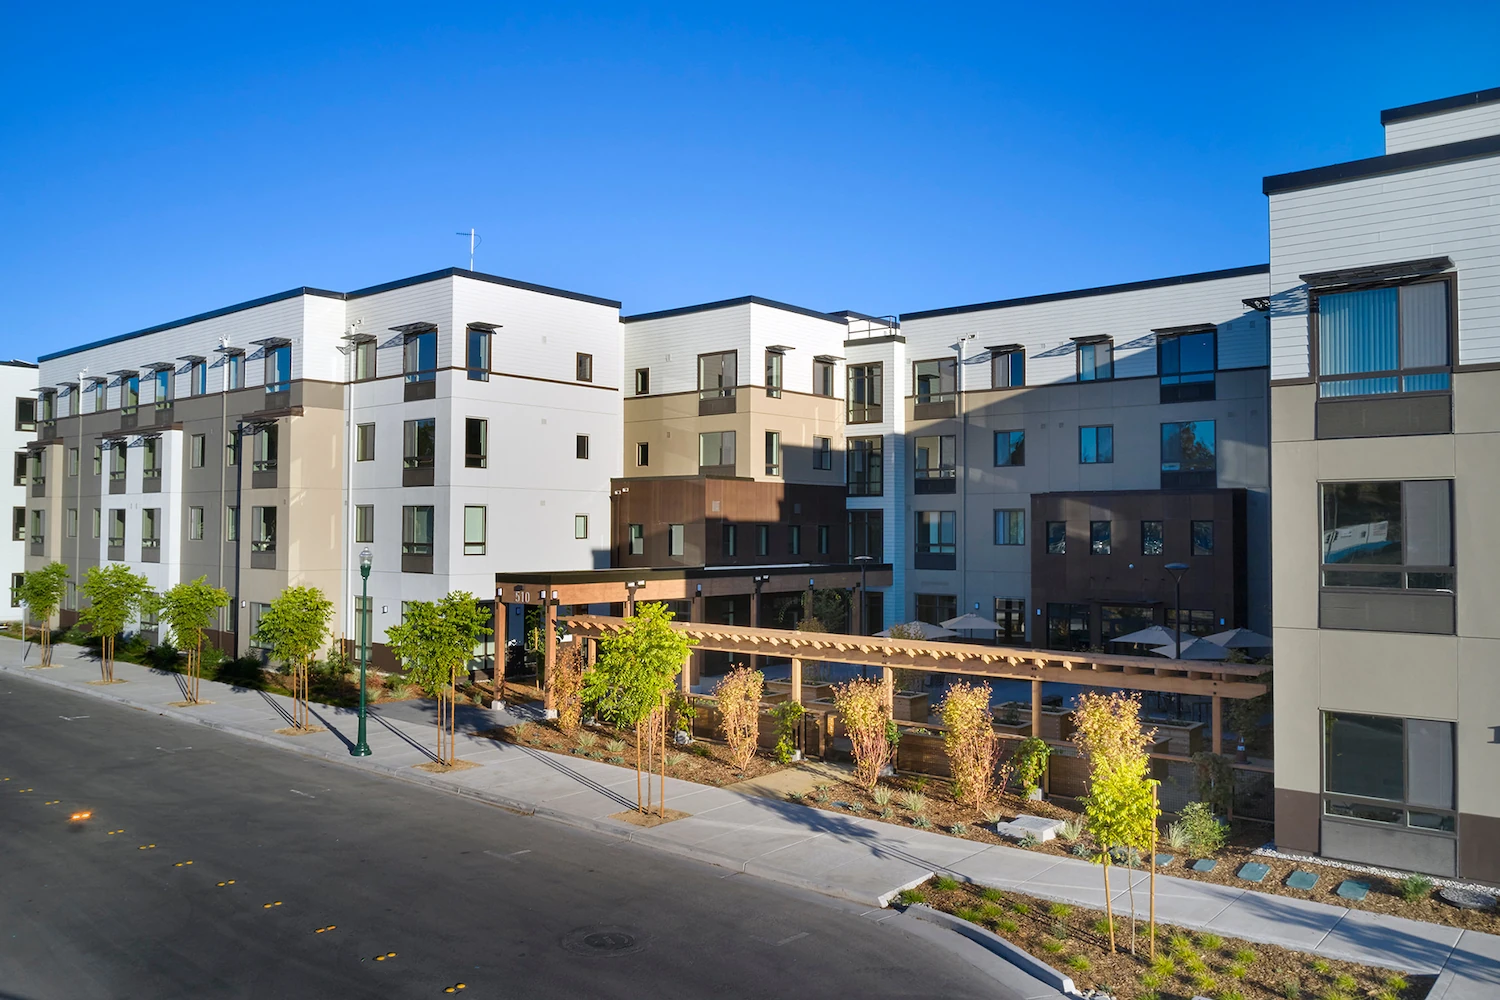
<point>1129,286</point>
<point>1392,163</point>
<point>743,300</point>
<point>1377,272</point>
<point>494,279</point>
<point>1469,100</point>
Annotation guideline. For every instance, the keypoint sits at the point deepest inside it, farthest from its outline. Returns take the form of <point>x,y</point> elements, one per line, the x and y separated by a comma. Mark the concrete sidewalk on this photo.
<point>860,859</point>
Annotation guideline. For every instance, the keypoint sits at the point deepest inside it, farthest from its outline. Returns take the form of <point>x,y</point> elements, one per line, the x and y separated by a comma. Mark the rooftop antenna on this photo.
<point>474,241</point>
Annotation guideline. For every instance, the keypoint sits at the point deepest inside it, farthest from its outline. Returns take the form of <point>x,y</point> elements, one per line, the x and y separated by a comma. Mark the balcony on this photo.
<point>38,545</point>
<point>115,552</point>
<point>263,474</point>
<point>420,385</point>
<point>117,481</point>
<point>935,406</point>
<point>38,486</point>
<point>150,550</point>
<point>416,557</point>
<point>712,401</point>
<point>417,472</point>
<point>936,560</point>
<point>129,418</point>
<point>263,554</point>
<point>151,480</point>
<point>936,481</point>
<point>163,410</point>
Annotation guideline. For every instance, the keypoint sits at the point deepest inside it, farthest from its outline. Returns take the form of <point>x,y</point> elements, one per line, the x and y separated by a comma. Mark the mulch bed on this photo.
<point>1075,940</point>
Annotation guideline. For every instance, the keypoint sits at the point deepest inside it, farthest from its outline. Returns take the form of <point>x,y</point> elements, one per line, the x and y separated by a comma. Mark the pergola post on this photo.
<point>549,655</point>
<point>1218,724</point>
<point>754,658</point>
<point>592,647</point>
<point>888,691</point>
<point>685,677</point>
<point>797,679</point>
<point>1036,730</point>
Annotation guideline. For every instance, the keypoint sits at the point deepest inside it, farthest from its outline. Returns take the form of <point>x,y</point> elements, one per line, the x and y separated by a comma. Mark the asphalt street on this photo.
<point>209,864</point>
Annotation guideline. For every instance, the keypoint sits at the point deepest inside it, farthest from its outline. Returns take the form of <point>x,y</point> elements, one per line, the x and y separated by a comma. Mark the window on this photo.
<point>267,448</point>
<point>642,454</point>
<point>232,448</point>
<point>476,443</point>
<point>863,462</point>
<point>1185,365</point>
<point>99,390</point>
<point>773,453</point>
<point>1187,455</point>
<point>257,612</point>
<point>1096,360</point>
<point>825,539</point>
<point>150,528</point>
<point>774,360</point>
<point>581,446</point>
<point>762,539</point>
<point>822,377</point>
<point>1068,626</point>
<point>936,533</point>
<point>477,355</point>
<point>1099,538</point>
<point>117,461</point>
<point>21,469</point>
<point>279,368</point>
<point>96,523</point>
<point>38,468</point>
<point>637,539</point>
<point>716,449</point>
<point>584,365</point>
<point>364,360</point>
<point>18,524</point>
<point>364,523</point>
<point>823,453</point>
<point>117,527</point>
<point>1383,340</point>
<point>1010,527</point>
<point>717,375</point>
<point>731,539</point>
<point>417,530</point>
<point>364,442</point>
<point>1057,538</point>
<point>934,609</point>
<point>263,529</point>
<point>936,464</point>
<point>1008,368</point>
<point>1203,538</point>
<point>195,523</point>
<point>231,524</point>
<point>234,374</point>
<point>73,461</point>
<point>198,451</point>
<point>865,394</point>
<point>162,378</point>
<point>935,381</point>
<point>419,356</point>
<point>419,443</point>
<point>1152,537</point>
<point>1010,615</point>
<point>1096,445</point>
<point>580,526</point>
<point>46,406</point>
<point>25,413</point>
<point>1395,535</point>
<point>1405,765</point>
<point>1010,448</point>
<point>1116,620</point>
<point>643,381</point>
<point>794,539</point>
<point>151,458</point>
<point>130,394</point>
<point>475,530</point>
<point>676,537</point>
<point>1194,621</point>
<point>98,459</point>
<point>16,580</point>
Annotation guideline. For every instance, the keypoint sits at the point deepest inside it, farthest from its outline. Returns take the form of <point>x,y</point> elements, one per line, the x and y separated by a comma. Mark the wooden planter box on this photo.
<point>1182,739</point>
<point>1057,723</point>
<point>909,707</point>
<point>810,691</point>
<point>923,754</point>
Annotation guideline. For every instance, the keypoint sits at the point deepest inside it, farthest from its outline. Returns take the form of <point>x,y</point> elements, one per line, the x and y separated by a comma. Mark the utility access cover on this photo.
<point>604,941</point>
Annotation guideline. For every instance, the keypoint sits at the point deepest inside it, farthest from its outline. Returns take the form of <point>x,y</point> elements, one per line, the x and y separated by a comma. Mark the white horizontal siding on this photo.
<point>1472,122</point>
<point>1451,210</point>
<point>806,335</point>
<point>670,346</point>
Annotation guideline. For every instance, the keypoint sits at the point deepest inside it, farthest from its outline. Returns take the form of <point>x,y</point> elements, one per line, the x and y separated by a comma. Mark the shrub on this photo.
<point>1204,983</point>
<point>1006,926</point>
<point>1321,967</point>
<point>1070,831</point>
<point>970,741</point>
<point>944,884</point>
<point>1021,908</point>
<point>567,687</point>
<point>1030,762</point>
<point>881,795</point>
<point>1291,989</point>
<point>921,822</point>
<point>521,730</point>
<point>1193,965</point>
<point>1180,944</point>
<point>673,759</point>
<point>1205,834</point>
<point>586,739</point>
<point>1029,842</point>
<point>1210,942</point>
<point>959,829</point>
<point>1177,838</point>
<point>616,759</point>
<point>1395,982</point>
<point>887,814</point>
<point>914,801</point>
<point>1245,956</point>
<point>1082,850</point>
<point>967,913</point>
<point>1344,981</point>
<point>1060,930</point>
<point>1079,962</point>
<point>1163,966</point>
<point>1230,994</point>
<point>1100,927</point>
<point>1235,970</point>
<point>615,746</point>
<point>918,783</point>
<point>788,716</point>
<point>1415,887</point>
<point>738,698</point>
<point>862,708</point>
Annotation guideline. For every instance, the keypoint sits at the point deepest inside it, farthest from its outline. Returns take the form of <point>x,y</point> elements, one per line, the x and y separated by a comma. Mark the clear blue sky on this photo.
<point>154,164</point>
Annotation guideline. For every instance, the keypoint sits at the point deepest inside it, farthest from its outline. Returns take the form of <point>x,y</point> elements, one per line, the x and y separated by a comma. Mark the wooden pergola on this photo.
<point>1215,680</point>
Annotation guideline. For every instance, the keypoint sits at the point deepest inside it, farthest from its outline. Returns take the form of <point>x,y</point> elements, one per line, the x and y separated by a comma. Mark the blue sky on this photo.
<point>155,163</point>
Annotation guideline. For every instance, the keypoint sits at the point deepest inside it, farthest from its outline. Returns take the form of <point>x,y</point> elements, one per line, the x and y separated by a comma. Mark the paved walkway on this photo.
<point>851,857</point>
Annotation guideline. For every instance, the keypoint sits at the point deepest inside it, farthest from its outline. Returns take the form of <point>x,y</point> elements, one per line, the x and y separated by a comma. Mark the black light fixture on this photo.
<point>1177,570</point>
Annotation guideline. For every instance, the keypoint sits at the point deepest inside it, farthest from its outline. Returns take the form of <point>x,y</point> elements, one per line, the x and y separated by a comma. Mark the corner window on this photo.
<point>1152,538</point>
<point>935,381</point>
<point>130,394</point>
<point>18,524</point>
<point>1187,455</point>
<point>231,450</point>
<point>73,461</point>
<point>1010,527</point>
<point>867,534</point>
<point>364,442</point>
<point>162,378</point>
<point>477,355</point>
<point>364,523</point>
<point>475,530</point>
<point>1378,341</point>
<point>642,454</point>
<point>581,446</point>
<point>21,469</point>
<point>864,467</point>
<point>580,526</point>
<point>1008,368</point>
<point>1390,535</point>
<point>150,457</point>
<point>716,449</point>
<point>1099,538</point>
<point>1057,538</point>
<point>584,365</point>
<point>1010,448</point>
<point>643,381</point>
<point>774,363</point>
<point>1096,360</point>
<point>116,527</point>
<point>419,356</point>
<point>267,448</point>
<point>637,539</point>
<point>822,377</point>
<point>1096,445</point>
<point>417,530</point>
<point>865,397</point>
<point>717,375</point>
<point>676,539</point>
<point>234,372</point>
<point>773,453</point>
<point>935,467</point>
<point>1393,771</point>
<point>231,524</point>
<point>823,454</point>
<point>419,443</point>
<point>1185,365</point>
<point>1203,538</point>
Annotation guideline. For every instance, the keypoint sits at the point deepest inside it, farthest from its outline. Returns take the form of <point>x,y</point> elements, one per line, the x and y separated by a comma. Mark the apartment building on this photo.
<point>1385,376</point>
<point>18,384</point>
<point>1060,450</point>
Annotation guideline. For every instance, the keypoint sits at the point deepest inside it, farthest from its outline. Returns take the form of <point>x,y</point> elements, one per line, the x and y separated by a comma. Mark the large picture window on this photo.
<point>1188,455</point>
<point>1185,365</point>
<point>716,449</point>
<point>936,380</point>
<point>1377,341</point>
<point>1395,771</point>
<point>1395,535</point>
<point>419,356</point>
<point>937,539</point>
<point>1096,360</point>
<point>935,467</point>
<point>1010,527</point>
<point>717,375</point>
<point>865,394</point>
<point>1010,448</point>
<point>865,467</point>
<point>1008,368</point>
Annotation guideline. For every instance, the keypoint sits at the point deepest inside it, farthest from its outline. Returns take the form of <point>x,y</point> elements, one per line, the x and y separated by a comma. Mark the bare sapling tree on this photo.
<point>295,628</point>
<point>567,686</point>
<point>189,610</point>
<point>972,745</point>
<point>738,697</point>
<point>435,640</point>
<point>861,705</point>
<point>115,596</point>
<point>41,592</point>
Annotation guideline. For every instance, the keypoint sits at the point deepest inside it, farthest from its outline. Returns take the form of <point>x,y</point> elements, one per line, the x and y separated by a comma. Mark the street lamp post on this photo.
<point>1177,570</point>
<point>864,603</point>
<point>362,748</point>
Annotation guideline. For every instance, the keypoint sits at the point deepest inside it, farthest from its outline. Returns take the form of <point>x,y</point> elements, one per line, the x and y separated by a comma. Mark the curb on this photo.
<point>994,943</point>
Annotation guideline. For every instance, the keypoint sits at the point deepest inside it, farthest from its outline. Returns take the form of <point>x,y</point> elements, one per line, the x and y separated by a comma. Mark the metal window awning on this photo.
<point>1378,272</point>
<point>486,327</point>
<point>779,348</point>
<point>159,366</point>
<point>359,338</point>
<point>1005,348</point>
<point>829,358</point>
<point>1259,303</point>
<point>226,349</point>
<point>196,359</point>
<point>272,342</point>
<point>1093,338</point>
<point>1173,331</point>
<point>410,328</point>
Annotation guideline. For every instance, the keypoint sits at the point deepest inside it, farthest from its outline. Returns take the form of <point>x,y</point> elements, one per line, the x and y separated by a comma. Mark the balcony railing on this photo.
<point>38,486</point>
<point>263,545</point>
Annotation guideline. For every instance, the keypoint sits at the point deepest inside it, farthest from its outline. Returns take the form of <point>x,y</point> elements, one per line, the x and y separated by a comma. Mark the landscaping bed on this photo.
<point>1075,940</point>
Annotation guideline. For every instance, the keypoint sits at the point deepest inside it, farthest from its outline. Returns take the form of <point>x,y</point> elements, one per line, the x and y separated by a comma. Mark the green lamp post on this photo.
<point>362,748</point>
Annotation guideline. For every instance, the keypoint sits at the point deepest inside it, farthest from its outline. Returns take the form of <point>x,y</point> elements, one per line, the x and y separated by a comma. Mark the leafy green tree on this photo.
<point>189,610</point>
<point>116,597</point>
<point>295,627</point>
<point>634,672</point>
<point>435,640</point>
<point>41,591</point>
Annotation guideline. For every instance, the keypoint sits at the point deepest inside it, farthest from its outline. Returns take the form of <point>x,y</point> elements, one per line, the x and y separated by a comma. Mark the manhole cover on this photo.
<point>604,941</point>
<point>1466,899</point>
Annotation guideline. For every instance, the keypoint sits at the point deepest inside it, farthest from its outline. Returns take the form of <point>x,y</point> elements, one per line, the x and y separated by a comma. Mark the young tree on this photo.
<point>633,673</point>
<point>115,596</point>
<point>738,697</point>
<point>567,686</point>
<point>295,627</point>
<point>861,704</point>
<point>435,640</point>
<point>1121,801</point>
<point>971,743</point>
<point>189,610</point>
<point>41,591</point>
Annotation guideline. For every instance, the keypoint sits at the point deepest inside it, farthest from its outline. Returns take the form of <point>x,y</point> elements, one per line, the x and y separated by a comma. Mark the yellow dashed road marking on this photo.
<point>145,847</point>
<point>321,930</point>
<point>229,882</point>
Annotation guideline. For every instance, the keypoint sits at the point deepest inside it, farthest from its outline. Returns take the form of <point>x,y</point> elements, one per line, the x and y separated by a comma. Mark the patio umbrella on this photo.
<point>1156,635</point>
<point>928,631</point>
<point>971,623</point>
<point>1240,638</point>
<point>1194,649</point>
